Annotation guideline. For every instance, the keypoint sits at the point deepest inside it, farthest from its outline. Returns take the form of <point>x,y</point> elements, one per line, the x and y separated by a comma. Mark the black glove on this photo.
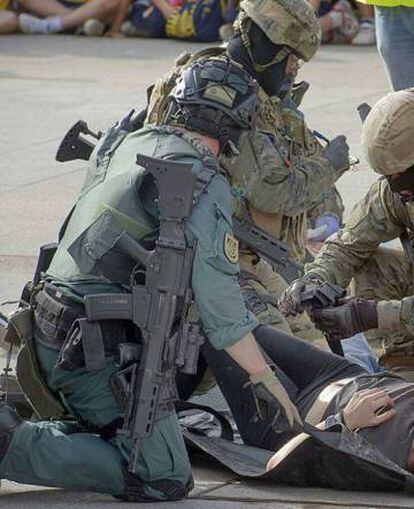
<point>290,302</point>
<point>337,153</point>
<point>351,316</point>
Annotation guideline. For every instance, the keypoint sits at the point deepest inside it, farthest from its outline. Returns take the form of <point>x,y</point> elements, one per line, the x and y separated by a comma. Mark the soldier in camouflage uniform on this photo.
<point>383,279</point>
<point>281,169</point>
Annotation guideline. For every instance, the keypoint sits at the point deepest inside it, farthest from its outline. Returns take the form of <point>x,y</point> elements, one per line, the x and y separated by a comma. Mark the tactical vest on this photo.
<point>292,130</point>
<point>117,197</point>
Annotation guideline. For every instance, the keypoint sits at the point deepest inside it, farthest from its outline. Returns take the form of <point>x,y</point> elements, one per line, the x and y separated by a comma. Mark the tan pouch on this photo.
<point>20,332</point>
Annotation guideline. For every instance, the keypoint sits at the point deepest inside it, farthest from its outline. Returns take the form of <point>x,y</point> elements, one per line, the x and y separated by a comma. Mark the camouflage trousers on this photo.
<point>262,287</point>
<point>387,275</point>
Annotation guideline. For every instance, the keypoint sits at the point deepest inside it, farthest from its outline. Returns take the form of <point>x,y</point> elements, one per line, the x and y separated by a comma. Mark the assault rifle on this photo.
<point>272,250</point>
<point>323,296</point>
<point>160,290</point>
<point>75,145</point>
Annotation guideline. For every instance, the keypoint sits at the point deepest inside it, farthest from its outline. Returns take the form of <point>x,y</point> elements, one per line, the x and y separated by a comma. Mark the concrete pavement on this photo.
<point>46,85</point>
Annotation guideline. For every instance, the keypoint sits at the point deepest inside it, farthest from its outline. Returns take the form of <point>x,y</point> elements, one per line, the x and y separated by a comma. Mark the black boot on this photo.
<point>9,420</point>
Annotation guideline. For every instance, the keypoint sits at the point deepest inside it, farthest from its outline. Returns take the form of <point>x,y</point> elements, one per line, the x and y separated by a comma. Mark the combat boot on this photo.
<point>9,420</point>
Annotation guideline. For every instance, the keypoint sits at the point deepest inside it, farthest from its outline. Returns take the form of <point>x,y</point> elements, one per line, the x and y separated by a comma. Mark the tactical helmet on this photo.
<point>216,97</point>
<point>289,23</point>
<point>388,133</point>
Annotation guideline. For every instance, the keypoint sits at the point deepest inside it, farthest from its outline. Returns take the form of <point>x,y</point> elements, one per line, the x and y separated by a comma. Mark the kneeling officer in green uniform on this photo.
<point>92,350</point>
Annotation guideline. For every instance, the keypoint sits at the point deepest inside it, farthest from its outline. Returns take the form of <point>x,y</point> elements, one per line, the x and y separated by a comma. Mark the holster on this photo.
<point>61,324</point>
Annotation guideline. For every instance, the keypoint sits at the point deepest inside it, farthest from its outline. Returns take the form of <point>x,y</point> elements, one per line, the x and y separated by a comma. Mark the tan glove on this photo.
<point>273,402</point>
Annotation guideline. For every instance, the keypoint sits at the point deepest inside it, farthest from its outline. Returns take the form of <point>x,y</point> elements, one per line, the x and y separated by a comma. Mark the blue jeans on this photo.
<point>358,351</point>
<point>395,41</point>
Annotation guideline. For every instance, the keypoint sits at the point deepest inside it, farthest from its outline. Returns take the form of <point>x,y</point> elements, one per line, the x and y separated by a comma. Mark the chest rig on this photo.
<point>288,133</point>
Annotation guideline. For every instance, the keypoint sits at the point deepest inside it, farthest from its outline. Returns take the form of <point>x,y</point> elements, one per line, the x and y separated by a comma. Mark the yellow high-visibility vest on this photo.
<point>389,3</point>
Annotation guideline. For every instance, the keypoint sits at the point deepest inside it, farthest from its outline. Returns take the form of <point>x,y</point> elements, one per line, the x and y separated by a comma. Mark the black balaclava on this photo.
<point>403,185</point>
<point>263,51</point>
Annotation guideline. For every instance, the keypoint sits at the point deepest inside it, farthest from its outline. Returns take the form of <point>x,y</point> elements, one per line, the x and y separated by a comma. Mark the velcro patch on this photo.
<point>231,248</point>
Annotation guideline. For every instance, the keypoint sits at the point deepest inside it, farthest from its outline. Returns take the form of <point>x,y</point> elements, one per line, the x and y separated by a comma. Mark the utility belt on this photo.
<point>60,323</point>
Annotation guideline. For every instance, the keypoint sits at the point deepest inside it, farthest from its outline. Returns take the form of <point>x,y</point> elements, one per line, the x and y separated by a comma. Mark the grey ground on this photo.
<point>47,84</point>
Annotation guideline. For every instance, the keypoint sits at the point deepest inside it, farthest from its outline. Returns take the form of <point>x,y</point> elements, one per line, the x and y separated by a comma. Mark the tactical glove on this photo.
<point>351,316</point>
<point>273,402</point>
<point>290,302</point>
<point>337,153</point>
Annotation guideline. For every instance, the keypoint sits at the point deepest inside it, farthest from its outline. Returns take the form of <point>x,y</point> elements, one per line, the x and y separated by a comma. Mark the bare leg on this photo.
<point>315,4</point>
<point>43,8</point>
<point>366,11</point>
<point>103,10</point>
<point>366,34</point>
<point>118,18</point>
<point>8,22</point>
<point>327,24</point>
<point>166,9</point>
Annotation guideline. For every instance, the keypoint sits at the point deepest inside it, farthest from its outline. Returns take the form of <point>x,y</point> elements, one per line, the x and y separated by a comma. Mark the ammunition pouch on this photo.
<point>61,324</point>
<point>256,302</point>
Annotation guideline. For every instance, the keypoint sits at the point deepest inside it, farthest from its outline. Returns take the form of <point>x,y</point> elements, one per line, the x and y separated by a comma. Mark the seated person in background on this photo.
<point>191,20</point>
<point>366,33</point>
<point>338,20</point>
<point>55,16</point>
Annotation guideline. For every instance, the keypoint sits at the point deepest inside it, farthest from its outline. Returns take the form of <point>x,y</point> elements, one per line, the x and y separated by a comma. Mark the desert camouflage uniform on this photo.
<point>279,174</point>
<point>383,274</point>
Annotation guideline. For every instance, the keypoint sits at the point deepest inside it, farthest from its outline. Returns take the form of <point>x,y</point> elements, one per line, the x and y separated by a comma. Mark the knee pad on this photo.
<point>137,490</point>
<point>9,420</point>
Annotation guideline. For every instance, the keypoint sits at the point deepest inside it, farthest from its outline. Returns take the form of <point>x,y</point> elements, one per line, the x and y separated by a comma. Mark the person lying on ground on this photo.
<point>374,410</point>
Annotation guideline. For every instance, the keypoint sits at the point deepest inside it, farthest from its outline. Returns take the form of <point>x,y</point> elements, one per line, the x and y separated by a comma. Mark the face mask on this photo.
<point>403,185</point>
<point>263,51</point>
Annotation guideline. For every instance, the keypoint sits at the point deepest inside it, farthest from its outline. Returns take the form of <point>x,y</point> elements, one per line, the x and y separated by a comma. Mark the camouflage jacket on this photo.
<point>380,217</point>
<point>278,170</point>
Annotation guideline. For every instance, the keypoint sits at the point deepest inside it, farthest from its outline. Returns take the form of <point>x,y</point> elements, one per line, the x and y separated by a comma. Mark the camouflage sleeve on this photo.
<point>406,315</point>
<point>271,182</point>
<point>378,218</point>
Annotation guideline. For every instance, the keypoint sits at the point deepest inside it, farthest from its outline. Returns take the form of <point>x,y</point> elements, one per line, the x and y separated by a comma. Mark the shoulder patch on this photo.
<point>231,248</point>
